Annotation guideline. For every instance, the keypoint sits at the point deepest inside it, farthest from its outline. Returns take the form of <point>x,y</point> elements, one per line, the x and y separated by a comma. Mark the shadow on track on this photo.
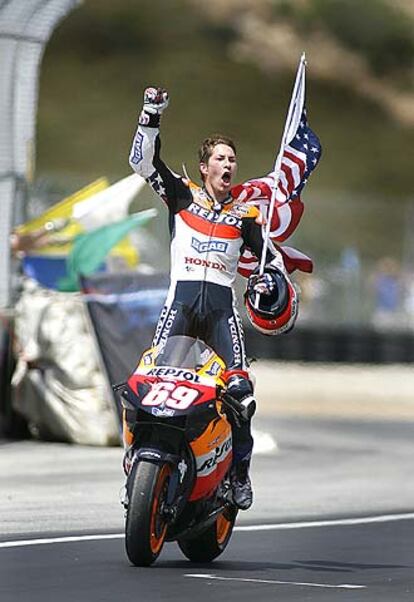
<point>307,565</point>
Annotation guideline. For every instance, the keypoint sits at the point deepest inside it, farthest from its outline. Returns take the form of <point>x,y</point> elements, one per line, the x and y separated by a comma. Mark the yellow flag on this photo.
<point>63,210</point>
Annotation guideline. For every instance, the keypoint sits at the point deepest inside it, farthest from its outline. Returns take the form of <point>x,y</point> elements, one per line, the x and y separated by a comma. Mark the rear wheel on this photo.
<point>209,544</point>
<point>146,527</point>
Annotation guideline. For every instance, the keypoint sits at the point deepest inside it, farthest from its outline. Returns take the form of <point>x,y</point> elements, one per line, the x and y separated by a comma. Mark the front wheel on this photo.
<point>146,527</point>
<point>212,542</point>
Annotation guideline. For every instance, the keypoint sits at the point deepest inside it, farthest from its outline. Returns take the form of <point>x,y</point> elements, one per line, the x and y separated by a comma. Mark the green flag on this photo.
<point>91,248</point>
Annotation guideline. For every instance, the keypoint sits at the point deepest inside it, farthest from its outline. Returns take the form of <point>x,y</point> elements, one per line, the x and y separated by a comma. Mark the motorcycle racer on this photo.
<point>210,228</point>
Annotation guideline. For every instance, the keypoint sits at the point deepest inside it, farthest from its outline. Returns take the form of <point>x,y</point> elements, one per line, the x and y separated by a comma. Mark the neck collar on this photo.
<point>217,205</point>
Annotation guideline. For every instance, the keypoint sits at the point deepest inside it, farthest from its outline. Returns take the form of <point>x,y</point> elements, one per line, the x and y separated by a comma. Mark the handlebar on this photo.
<point>118,386</point>
<point>244,410</point>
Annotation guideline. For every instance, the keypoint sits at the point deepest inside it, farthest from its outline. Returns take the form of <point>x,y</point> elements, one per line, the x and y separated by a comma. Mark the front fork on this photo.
<point>182,476</point>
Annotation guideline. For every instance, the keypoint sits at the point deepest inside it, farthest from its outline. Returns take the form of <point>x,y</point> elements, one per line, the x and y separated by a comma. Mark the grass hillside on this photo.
<point>105,53</point>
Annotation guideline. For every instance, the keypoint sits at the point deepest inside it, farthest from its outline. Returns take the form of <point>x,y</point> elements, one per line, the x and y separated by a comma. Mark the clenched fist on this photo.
<point>155,100</point>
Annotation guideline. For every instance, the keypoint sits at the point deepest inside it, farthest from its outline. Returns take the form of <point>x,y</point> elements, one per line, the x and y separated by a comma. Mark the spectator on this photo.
<point>388,290</point>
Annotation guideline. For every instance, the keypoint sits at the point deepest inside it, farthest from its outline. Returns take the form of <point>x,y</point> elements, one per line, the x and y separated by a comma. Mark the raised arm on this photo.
<point>144,157</point>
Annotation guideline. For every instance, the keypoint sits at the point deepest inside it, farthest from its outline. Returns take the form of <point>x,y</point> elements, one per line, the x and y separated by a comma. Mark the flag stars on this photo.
<point>156,182</point>
<point>300,158</point>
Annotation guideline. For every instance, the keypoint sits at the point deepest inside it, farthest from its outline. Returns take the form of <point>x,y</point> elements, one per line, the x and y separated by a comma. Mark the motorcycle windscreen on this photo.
<point>174,378</point>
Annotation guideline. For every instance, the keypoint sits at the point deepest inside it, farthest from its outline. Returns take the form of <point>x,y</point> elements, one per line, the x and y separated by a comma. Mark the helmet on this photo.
<point>277,312</point>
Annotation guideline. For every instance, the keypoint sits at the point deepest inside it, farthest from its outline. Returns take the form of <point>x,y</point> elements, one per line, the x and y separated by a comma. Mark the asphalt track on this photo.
<point>333,520</point>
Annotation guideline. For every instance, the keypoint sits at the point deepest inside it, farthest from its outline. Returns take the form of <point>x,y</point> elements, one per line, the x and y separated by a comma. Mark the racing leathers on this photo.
<point>207,238</point>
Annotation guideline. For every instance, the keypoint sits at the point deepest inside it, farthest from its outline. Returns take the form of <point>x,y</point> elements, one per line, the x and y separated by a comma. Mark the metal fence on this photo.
<point>25,27</point>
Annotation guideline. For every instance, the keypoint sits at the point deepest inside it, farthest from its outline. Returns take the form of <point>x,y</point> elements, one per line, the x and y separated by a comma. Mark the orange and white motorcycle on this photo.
<point>176,423</point>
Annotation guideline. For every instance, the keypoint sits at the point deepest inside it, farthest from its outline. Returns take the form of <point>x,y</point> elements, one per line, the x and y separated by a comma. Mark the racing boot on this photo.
<point>241,485</point>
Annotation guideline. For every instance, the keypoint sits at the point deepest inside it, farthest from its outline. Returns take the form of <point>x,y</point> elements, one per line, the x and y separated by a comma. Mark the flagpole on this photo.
<point>276,170</point>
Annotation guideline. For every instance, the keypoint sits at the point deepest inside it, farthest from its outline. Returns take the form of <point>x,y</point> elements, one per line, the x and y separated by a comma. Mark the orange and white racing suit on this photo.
<point>207,239</point>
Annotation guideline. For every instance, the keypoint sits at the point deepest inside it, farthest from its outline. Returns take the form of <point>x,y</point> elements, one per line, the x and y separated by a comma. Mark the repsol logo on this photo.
<point>219,452</point>
<point>205,263</point>
<point>212,216</point>
<point>178,373</point>
<point>211,245</point>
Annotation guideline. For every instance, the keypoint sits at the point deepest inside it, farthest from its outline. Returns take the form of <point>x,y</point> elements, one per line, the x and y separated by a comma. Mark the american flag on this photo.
<point>299,154</point>
<point>300,157</point>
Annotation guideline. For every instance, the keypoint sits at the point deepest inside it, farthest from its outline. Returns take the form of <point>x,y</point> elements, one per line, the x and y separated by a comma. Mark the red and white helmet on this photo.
<point>277,311</point>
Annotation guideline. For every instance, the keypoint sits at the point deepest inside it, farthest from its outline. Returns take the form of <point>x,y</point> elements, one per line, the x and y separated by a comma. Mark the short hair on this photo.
<point>207,146</point>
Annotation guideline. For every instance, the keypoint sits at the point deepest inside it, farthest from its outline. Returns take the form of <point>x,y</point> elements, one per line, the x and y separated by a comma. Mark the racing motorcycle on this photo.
<point>176,408</point>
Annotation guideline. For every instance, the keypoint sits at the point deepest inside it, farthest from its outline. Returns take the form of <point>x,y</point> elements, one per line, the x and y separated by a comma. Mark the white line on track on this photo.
<point>49,540</point>
<point>336,522</point>
<point>274,582</point>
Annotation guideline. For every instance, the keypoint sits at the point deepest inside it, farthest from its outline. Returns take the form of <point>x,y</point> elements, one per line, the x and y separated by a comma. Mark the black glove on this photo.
<point>264,284</point>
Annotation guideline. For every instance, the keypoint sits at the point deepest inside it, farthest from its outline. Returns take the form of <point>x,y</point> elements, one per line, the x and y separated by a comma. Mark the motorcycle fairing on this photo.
<point>213,454</point>
<point>168,390</point>
<point>169,397</point>
<point>182,382</point>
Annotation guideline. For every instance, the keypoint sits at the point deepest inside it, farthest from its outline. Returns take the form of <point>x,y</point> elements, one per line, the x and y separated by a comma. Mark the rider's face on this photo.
<point>219,171</point>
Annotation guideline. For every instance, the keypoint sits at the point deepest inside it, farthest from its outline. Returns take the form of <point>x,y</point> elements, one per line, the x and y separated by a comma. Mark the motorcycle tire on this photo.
<point>145,527</point>
<point>211,542</point>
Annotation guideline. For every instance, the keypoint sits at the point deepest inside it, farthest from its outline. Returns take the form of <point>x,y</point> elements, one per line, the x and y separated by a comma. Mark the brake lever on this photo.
<point>118,386</point>
<point>232,403</point>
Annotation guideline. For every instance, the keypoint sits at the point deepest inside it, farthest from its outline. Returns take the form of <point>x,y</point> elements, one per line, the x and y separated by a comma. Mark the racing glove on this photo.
<point>155,101</point>
<point>264,284</point>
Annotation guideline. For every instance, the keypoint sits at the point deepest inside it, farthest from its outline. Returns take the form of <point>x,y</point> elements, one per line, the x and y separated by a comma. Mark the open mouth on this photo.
<point>226,177</point>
